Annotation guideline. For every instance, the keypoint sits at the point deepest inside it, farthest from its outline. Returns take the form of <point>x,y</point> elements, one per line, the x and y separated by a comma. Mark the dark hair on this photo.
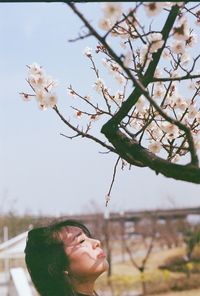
<point>46,259</point>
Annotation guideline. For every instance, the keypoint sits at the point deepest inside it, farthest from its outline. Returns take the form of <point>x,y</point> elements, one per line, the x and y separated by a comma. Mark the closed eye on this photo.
<point>81,241</point>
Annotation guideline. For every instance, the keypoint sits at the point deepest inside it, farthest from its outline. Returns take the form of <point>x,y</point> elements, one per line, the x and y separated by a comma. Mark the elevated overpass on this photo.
<point>159,214</point>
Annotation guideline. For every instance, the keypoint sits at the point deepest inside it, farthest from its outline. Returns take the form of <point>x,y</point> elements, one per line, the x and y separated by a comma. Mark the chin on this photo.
<point>105,266</point>
<point>101,268</point>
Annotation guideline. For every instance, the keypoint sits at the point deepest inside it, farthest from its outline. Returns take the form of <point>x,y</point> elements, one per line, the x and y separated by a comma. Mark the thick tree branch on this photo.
<point>129,149</point>
<point>140,89</point>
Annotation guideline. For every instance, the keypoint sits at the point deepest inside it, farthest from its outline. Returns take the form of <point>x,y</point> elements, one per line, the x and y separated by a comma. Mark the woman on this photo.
<point>63,259</point>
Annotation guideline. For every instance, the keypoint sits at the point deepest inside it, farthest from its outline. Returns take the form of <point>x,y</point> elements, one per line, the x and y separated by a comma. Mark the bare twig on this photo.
<point>180,78</point>
<point>113,179</point>
<point>86,135</point>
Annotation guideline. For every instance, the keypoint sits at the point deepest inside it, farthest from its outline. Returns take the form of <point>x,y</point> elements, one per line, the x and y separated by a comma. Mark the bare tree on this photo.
<point>149,122</point>
<point>171,233</point>
<point>145,245</point>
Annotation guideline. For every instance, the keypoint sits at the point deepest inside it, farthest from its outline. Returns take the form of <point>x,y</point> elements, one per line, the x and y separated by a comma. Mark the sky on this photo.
<point>42,172</point>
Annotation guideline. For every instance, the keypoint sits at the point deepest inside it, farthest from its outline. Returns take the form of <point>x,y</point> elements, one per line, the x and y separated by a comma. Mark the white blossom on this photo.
<point>105,63</point>
<point>169,4</point>
<point>155,131</point>
<point>105,24</point>
<point>122,31</point>
<point>158,73</point>
<point>35,69</point>
<point>134,123</point>
<point>181,32</point>
<point>166,54</point>
<point>36,81</point>
<point>197,143</point>
<point>174,73</point>
<point>178,47</point>
<point>140,104</point>
<point>41,95</point>
<point>185,58</point>
<point>197,21</point>
<point>155,147</point>
<point>107,199</point>
<point>174,88</point>
<point>198,117</point>
<point>180,4</point>
<point>168,100</point>
<point>145,54</point>
<point>120,78</point>
<point>192,111</point>
<point>171,130</point>
<point>41,81</point>
<point>159,92</point>
<point>113,67</point>
<point>112,9</point>
<point>180,103</point>
<point>118,96</point>
<point>127,59</point>
<point>156,42</point>
<point>153,8</point>
<point>191,85</point>
<point>42,84</point>
<point>52,99</point>
<point>43,105</point>
<point>184,120</point>
<point>87,51</point>
<point>99,85</point>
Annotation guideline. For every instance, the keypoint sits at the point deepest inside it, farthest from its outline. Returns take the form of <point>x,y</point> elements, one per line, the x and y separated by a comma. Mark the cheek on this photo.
<point>83,264</point>
<point>80,262</point>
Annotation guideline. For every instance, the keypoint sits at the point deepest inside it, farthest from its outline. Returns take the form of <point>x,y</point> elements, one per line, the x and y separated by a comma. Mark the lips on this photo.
<point>101,255</point>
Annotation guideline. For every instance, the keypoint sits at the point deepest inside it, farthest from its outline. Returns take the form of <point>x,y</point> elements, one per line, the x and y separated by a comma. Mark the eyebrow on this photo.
<point>77,235</point>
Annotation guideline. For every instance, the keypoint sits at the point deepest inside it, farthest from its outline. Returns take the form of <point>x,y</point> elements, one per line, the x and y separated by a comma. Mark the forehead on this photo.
<point>69,233</point>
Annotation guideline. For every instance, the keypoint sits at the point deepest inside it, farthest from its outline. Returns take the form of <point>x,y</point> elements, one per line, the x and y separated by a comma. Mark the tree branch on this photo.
<point>130,150</point>
<point>86,135</point>
<point>180,78</point>
<point>141,88</point>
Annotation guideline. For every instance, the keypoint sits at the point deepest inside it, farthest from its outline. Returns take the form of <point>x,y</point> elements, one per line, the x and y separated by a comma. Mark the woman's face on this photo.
<point>86,257</point>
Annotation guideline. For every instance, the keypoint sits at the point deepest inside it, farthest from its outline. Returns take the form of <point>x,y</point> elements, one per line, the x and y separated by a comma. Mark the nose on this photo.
<point>95,243</point>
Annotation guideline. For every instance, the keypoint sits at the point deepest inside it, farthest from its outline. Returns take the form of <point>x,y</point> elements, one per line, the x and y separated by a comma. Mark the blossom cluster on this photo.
<point>144,121</point>
<point>138,45</point>
<point>42,85</point>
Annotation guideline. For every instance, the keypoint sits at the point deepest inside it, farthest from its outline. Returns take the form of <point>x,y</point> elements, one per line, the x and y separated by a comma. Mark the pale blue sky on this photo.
<point>41,170</point>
